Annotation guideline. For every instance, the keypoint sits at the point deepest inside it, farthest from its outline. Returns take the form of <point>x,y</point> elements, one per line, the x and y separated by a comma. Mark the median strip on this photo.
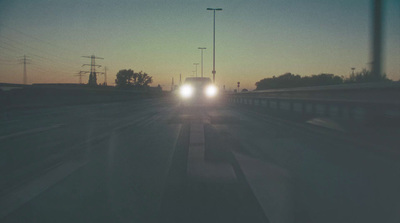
<point>198,168</point>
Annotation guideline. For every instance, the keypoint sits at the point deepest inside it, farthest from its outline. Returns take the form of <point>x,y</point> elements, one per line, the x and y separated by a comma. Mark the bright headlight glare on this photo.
<point>186,91</point>
<point>211,91</point>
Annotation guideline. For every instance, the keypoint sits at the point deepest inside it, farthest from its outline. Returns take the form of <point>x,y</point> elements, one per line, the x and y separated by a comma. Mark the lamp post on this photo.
<point>377,32</point>
<point>196,67</point>
<point>202,48</point>
<point>213,72</point>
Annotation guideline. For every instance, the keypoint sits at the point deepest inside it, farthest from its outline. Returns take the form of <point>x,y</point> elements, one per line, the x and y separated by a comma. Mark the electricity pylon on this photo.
<point>25,61</point>
<point>92,75</point>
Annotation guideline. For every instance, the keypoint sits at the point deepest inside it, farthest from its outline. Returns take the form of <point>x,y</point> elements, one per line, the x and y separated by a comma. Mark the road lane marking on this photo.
<point>37,130</point>
<point>327,123</point>
<point>272,186</point>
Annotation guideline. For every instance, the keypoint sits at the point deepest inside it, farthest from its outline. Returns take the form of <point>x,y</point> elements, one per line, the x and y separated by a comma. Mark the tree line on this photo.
<point>289,80</point>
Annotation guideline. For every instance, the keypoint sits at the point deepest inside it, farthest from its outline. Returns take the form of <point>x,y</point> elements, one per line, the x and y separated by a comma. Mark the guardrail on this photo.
<point>355,101</point>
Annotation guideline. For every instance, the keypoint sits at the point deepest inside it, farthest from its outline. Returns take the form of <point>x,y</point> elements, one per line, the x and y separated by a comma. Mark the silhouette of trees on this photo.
<point>128,78</point>
<point>322,79</point>
<point>289,80</point>
<point>365,76</point>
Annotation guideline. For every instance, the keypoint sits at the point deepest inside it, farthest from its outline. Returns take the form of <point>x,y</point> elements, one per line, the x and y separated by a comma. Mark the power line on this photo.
<point>5,60</point>
<point>10,55</point>
<point>41,61</point>
<point>6,63</point>
<point>40,68</point>
<point>10,45</point>
<point>54,56</point>
<point>37,39</point>
<point>10,49</point>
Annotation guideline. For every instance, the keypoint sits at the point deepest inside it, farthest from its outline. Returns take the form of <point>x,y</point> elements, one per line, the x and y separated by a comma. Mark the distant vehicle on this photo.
<point>198,91</point>
<point>244,90</point>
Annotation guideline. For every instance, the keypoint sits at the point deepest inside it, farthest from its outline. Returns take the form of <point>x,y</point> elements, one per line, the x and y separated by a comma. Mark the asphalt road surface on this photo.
<point>152,161</point>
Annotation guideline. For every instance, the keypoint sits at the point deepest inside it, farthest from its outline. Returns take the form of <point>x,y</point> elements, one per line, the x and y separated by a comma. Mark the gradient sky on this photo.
<point>255,39</point>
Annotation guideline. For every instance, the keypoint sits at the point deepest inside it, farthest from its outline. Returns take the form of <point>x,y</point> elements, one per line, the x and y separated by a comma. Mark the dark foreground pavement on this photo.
<point>151,161</point>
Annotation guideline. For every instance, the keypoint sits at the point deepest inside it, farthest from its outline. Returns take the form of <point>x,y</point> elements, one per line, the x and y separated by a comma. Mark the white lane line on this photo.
<point>271,185</point>
<point>41,129</point>
<point>327,123</point>
<point>15,199</point>
<point>197,167</point>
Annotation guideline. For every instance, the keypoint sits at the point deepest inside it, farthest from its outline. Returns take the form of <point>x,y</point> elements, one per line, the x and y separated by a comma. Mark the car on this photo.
<point>198,91</point>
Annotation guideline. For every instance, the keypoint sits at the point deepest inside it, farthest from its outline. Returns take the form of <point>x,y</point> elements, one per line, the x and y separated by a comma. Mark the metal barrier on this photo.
<point>356,101</point>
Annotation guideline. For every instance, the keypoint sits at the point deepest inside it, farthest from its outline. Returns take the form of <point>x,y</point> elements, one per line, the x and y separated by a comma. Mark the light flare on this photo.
<point>211,91</point>
<point>186,91</point>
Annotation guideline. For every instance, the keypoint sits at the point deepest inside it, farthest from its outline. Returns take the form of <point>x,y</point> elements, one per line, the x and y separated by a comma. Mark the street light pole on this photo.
<point>196,67</point>
<point>377,31</point>
<point>213,72</point>
<point>202,48</point>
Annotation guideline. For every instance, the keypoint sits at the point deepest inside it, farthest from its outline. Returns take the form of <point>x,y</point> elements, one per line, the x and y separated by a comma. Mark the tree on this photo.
<point>143,80</point>
<point>128,78</point>
<point>124,78</point>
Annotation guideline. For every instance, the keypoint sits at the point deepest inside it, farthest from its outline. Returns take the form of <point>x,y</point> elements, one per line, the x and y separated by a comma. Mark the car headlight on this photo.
<point>211,91</point>
<point>186,91</point>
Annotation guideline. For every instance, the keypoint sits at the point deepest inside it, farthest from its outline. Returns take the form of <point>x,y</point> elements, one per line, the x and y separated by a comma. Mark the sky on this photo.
<point>255,39</point>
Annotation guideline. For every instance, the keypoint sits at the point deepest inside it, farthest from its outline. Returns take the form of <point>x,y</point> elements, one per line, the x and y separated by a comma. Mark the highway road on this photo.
<point>149,160</point>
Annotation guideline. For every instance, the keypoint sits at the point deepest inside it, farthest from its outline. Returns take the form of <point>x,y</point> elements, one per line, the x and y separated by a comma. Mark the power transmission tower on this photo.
<point>25,61</point>
<point>92,75</point>
<point>105,76</point>
<point>79,74</point>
